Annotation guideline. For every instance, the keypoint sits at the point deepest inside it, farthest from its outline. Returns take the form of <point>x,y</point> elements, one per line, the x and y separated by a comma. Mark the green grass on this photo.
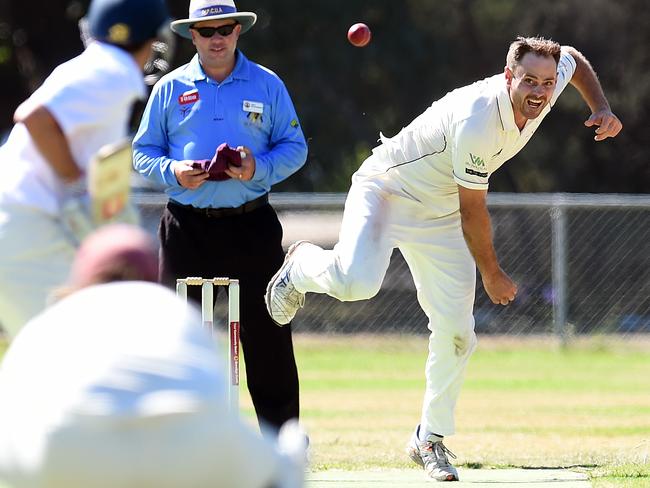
<point>525,403</point>
<point>630,475</point>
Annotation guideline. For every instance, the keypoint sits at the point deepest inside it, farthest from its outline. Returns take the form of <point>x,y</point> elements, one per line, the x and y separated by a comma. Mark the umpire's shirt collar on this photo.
<point>241,71</point>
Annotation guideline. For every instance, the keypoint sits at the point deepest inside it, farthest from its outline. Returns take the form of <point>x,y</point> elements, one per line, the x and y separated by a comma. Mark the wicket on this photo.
<point>207,312</point>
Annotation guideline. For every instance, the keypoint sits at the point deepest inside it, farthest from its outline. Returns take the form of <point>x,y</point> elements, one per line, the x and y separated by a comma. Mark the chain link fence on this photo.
<point>582,264</point>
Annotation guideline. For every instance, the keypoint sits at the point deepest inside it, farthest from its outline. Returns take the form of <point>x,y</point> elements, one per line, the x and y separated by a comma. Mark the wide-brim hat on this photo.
<point>203,10</point>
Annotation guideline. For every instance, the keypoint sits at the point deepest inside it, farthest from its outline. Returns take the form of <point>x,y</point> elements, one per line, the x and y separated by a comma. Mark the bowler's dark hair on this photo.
<point>537,45</point>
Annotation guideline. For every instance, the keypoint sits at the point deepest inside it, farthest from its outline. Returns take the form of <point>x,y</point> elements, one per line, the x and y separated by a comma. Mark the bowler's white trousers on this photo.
<point>35,259</point>
<point>377,219</point>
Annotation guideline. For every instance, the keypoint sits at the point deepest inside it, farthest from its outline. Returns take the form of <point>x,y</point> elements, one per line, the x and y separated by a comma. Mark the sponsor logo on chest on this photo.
<point>188,97</point>
<point>186,100</point>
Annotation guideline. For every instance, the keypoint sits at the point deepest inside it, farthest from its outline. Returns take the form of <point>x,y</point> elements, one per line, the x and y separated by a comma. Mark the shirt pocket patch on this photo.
<point>253,107</point>
<point>256,117</point>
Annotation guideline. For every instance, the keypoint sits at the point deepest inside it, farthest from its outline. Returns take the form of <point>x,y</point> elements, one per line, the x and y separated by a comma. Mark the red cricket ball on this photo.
<point>359,35</point>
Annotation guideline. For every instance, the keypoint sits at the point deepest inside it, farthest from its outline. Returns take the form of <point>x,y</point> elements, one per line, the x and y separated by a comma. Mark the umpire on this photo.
<point>218,221</point>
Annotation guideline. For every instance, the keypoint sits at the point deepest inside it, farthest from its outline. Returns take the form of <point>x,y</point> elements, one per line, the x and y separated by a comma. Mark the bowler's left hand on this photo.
<point>608,124</point>
<point>246,171</point>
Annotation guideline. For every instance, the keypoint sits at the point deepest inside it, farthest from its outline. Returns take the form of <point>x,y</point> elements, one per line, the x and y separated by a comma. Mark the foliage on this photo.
<point>345,95</point>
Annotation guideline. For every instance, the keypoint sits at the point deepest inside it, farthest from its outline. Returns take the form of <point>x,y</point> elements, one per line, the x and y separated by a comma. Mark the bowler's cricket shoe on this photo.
<point>282,299</point>
<point>432,454</point>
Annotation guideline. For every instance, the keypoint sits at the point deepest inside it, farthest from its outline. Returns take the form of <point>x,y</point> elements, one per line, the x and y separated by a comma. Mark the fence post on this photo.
<point>559,271</point>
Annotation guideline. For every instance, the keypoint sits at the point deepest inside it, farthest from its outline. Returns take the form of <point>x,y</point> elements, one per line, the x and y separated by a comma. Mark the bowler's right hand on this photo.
<point>187,176</point>
<point>499,287</point>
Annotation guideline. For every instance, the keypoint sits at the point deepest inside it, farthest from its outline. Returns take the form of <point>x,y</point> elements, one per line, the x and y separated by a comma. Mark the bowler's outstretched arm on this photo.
<point>586,82</point>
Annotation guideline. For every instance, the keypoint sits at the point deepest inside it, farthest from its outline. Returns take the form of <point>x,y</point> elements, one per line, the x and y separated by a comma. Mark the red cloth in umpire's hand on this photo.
<point>224,156</point>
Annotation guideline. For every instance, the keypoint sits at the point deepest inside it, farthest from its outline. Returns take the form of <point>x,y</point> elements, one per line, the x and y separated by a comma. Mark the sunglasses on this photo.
<point>208,32</point>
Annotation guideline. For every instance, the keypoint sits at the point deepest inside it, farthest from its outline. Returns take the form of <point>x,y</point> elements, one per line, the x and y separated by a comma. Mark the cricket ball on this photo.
<point>359,35</point>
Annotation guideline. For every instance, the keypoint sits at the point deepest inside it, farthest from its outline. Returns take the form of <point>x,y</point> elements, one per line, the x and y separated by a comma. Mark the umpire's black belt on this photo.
<point>217,213</point>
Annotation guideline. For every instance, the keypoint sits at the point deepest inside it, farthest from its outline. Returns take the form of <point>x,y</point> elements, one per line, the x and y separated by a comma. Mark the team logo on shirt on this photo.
<point>188,97</point>
<point>476,166</point>
<point>186,100</point>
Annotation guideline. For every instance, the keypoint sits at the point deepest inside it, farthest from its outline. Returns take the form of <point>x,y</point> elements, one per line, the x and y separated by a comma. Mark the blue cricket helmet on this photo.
<point>126,22</point>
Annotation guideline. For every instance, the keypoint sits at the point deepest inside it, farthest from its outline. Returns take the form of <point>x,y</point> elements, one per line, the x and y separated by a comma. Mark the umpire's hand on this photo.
<point>187,176</point>
<point>246,171</point>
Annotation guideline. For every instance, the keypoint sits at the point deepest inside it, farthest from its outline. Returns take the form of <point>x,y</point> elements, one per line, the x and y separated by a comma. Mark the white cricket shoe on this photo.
<point>432,454</point>
<point>282,299</point>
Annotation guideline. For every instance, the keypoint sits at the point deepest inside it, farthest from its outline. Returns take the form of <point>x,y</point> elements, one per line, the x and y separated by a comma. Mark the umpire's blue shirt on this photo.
<point>188,116</point>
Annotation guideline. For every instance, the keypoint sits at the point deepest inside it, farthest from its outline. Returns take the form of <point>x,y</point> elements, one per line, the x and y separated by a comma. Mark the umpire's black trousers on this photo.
<point>243,244</point>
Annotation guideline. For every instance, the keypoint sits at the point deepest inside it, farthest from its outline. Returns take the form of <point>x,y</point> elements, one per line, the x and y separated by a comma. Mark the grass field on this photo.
<point>525,403</point>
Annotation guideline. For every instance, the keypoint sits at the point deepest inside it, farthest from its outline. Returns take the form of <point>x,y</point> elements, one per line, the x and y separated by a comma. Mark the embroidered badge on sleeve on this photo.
<point>476,166</point>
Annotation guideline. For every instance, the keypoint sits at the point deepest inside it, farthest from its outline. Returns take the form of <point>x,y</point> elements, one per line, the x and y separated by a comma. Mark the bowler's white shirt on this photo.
<point>91,97</point>
<point>461,139</point>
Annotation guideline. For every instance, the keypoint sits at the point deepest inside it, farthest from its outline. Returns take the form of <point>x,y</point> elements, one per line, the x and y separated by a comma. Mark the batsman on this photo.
<point>82,108</point>
<point>424,192</point>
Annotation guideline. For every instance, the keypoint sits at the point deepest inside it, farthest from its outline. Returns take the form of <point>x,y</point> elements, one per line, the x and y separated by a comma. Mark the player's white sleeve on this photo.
<point>565,69</point>
<point>79,106</point>
<point>470,153</point>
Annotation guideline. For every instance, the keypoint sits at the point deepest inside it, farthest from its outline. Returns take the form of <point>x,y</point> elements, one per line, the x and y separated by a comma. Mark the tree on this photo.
<point>420,50</point>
